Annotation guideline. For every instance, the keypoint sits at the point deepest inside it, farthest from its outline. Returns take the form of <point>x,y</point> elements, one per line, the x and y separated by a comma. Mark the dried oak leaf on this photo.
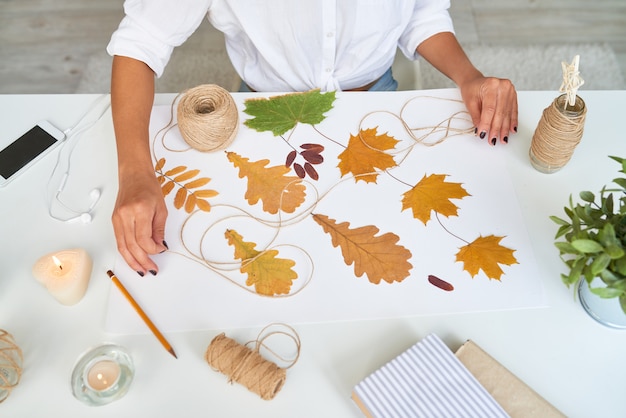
<point>365,154</point>
<point>433,193</point>
<point>486,253</point>
<point>377,256</point>
<point>269,184</point>
<point>281,113</point>
<point>185,195</point>
<point>268,274</point>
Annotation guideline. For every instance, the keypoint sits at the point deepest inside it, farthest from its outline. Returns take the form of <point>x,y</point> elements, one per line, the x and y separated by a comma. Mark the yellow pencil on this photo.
<point>142,314</point>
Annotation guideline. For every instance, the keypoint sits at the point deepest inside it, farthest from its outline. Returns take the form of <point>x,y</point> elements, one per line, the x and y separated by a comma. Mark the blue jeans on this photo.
<point>385,83</point>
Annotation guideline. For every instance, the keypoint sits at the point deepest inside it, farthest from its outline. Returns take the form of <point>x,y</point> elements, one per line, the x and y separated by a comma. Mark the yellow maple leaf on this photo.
<point>365,154</point>
<point>377,256</point>
<point>269,275</point>
<point>486,253</point>
<point>269,184</point>
<point>433,193</point>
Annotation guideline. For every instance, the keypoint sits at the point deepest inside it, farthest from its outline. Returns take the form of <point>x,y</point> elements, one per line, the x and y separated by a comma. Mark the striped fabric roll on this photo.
<point>427,380</point>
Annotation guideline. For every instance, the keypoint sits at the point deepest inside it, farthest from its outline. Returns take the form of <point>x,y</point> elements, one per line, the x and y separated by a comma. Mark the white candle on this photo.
<point>102,374</point>
<point>65,274</point>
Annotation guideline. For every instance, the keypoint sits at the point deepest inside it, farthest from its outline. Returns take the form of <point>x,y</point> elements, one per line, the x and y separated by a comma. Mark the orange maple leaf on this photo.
<point>433,193</point>
<point>486,253</point>
<point>269,275</point>
<point>365,153</point>
<point>269,184</point>
<point>378,257</point>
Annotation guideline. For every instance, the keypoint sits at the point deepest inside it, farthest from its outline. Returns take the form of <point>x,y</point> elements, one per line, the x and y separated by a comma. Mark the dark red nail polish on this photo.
<point>140,273</point>
<point>165,245</point>
<point>483,134</point>
<point>506,139</point>
<point>475,131</point>
<point>515,128</point>
<point>493,141</point>
<point>153,272</point>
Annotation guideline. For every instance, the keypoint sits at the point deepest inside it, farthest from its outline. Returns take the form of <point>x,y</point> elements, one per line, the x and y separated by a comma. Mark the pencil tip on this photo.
<point>171,350</point>
<point>110,273</point>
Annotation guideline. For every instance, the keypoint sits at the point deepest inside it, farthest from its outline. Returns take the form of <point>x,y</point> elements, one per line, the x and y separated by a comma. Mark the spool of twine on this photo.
<point>246,366</point>
<point>10,364</point>
<point>207,117</point>
<point>559,131</point>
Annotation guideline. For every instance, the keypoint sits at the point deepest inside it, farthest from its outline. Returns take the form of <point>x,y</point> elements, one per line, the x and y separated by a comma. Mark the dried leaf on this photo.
<point>281,113</point>
<point>159,165</point>
<point>184,196</point>
<point>269,184</point>
<point>365,154</point>
<point>485,253</point>
<point>175,170</point>
<point>197,183</point>
<point>186,175</point>
<point>167,188</point>
<point>269,275</point>
<point>432,193</point>
<point>380,257</point>
<point>181,196</point>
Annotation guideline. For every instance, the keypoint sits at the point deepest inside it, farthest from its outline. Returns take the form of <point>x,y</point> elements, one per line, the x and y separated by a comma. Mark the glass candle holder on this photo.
<point>102,375</point>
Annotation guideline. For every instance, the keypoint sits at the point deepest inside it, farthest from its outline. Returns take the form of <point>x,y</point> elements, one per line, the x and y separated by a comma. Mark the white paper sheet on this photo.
<point>187,295</point>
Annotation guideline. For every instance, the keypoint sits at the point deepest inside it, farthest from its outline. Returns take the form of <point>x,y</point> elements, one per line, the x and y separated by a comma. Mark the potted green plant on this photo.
<point>592,241</point>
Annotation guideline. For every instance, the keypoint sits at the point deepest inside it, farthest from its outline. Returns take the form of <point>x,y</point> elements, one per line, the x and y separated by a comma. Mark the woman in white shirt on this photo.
<point>278,46</point>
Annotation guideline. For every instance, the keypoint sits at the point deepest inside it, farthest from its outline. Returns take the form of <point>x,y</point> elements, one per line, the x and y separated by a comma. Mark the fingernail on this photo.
<point>153,272</point>
<point>140,273</point>
<point>515,128</point>
<point>165,245</point>
<point>493,141</point>
<point>506,139</point>
<point>483,134</point>
<point>475,131</point>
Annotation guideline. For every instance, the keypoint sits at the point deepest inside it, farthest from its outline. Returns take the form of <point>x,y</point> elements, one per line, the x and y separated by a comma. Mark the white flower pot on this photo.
<point>606,311</point>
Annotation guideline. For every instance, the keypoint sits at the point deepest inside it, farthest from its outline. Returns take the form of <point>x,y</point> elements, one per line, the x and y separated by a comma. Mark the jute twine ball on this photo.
<point>207,117</point>
<point>10,364</point>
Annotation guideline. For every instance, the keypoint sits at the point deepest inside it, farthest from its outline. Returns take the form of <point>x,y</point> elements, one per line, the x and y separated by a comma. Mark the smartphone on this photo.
<point>28,149</point>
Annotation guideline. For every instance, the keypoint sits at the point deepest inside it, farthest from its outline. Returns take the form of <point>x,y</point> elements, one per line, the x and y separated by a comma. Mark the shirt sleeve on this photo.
<point>430,17</point>
<point>151,29</point>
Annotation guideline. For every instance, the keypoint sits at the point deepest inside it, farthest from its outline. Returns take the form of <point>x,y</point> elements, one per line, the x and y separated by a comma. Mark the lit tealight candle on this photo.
<point>65,274</point>
<point>103,374</point>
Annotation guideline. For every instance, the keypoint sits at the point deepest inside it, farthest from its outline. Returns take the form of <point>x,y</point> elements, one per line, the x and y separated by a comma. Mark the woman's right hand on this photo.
<point>139,221</point>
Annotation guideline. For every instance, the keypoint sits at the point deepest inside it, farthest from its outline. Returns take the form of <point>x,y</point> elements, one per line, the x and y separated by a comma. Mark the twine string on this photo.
<point>10,363</point>
<point>246,366</point>
<point>558,133</point>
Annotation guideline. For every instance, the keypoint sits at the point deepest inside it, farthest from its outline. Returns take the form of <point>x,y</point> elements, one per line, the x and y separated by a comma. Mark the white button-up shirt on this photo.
<point>287,45</point>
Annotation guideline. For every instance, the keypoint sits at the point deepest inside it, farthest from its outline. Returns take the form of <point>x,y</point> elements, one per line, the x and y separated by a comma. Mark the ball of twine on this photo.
<point>558,133</point>
<point>207,117</point>
<point>10,364</point>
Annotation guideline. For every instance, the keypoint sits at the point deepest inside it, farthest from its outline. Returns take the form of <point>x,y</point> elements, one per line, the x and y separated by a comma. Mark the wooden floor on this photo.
<point>45,44</point>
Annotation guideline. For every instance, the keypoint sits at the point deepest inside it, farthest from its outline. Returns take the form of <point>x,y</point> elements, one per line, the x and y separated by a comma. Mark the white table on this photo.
<point>568,358</point>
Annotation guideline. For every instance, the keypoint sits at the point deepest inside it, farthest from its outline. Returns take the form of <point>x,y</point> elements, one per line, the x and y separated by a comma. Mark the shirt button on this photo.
<point>328,70</point>
<point>330,34</point>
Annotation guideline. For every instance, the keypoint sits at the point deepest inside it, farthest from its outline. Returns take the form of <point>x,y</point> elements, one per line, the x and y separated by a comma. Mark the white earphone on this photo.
<point>84,217</point>
<point>75,133</point>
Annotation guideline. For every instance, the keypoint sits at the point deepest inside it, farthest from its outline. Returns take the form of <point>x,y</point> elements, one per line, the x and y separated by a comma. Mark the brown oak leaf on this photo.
<point>268,274</point>
<point>433,193</point>
<point>486,253</point>
<point>365,154</point>
<point>269,184</point>
<point>380,257</point>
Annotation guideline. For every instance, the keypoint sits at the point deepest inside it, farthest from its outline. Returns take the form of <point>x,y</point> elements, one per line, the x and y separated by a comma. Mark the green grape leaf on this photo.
<point>281,113</point>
